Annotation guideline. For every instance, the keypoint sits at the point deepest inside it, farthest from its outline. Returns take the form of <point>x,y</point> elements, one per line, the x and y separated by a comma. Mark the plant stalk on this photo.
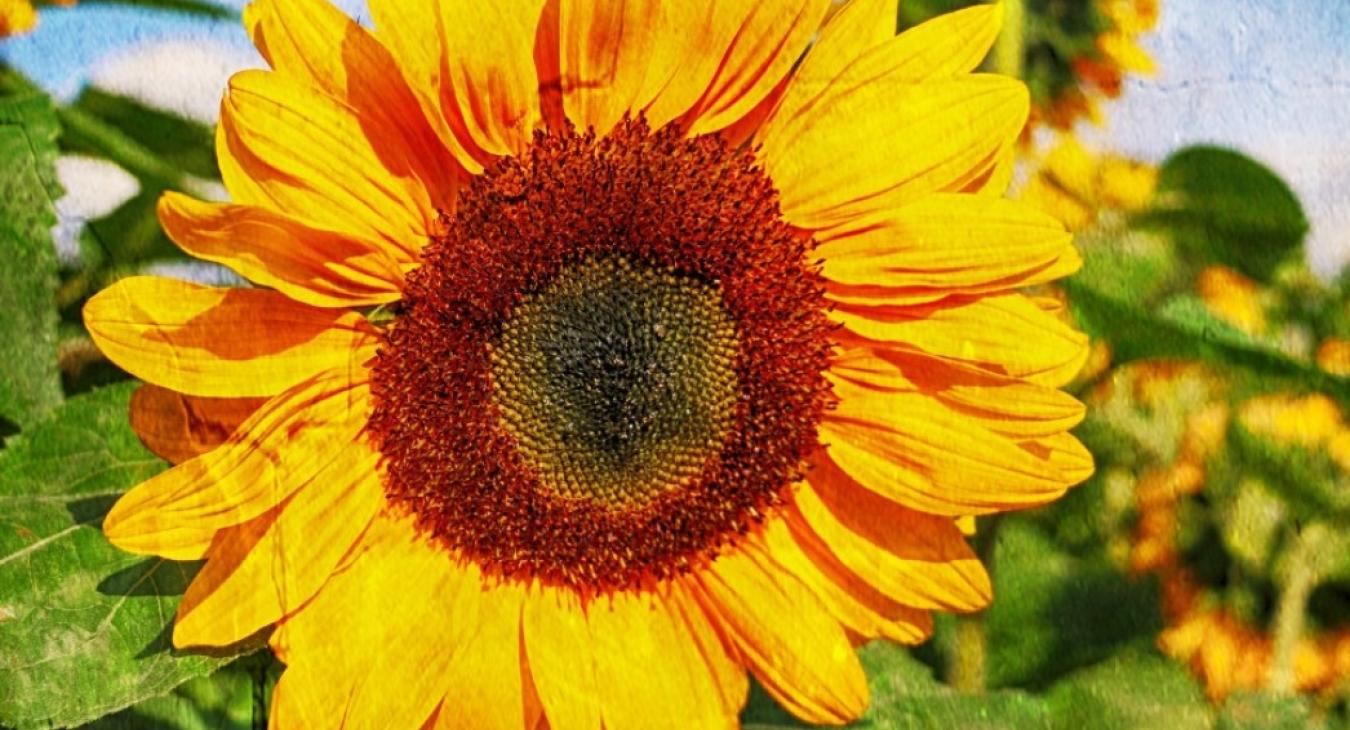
<point>1010,48</point>
<point>1296,587</point>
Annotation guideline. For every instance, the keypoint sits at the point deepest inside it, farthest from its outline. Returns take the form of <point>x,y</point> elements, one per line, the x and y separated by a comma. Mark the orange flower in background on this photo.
<point>608,354</point>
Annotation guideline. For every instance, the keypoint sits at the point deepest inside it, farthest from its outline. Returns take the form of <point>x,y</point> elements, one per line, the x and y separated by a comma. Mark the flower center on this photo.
<point>617,381</point>
<point>609,367</point>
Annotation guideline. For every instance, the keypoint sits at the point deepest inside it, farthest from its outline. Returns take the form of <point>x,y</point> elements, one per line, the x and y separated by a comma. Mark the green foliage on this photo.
<point>30,385</point>
<point>86,626</point>
<point>190,7</point>
<point>1222,206</point>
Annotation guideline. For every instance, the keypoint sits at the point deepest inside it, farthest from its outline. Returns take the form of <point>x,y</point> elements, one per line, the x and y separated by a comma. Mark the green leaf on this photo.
<point>1261,711</point>
<point>183,143</point>
<point>1054,612</point>
<point>1182,328</point>
<point>225,700</point>
<point>30,384</point>
<point>1135,690</point>
<point>191,7</point>
<point>1220,205</point>
<point>86,627</point>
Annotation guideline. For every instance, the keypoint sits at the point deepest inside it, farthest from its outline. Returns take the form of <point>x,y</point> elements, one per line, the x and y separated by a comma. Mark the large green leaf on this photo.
<point>230,699</point>
<point>1220,205</point>
<point>84,627</point>
<point>30,384</point>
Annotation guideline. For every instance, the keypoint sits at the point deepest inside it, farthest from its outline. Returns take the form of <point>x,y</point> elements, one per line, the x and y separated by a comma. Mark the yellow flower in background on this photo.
<point>16,17</point>
<point>1333,356</point>
<point>19,16</point>
<point>1076,185</point>
<point>1226,649</point>
<point>1092,72</point>
<point>596,366</point>
<point>1233,298</point>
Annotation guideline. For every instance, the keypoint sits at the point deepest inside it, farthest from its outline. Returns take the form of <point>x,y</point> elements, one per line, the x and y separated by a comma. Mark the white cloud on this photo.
<point>183,76</point>
<point>93,188</point>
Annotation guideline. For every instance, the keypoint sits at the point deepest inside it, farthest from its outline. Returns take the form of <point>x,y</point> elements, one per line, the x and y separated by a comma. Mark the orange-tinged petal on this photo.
<point>1009,406</point>
<point>220,342</point>
<point>915,558</point>
<point>387,623</point>
<point>486,673</point>
<point>178,427</point>
<point>293,439</point>
<point>557,643</point>
<point>729,676</point>
<point>949,243</point>
<point>608,52</point>
<point>309,265</point>
<point>784,635</point>
<point>637,634</point>
<point>896,140</point>
<point>768,39</point>
<point>855,603</point>
<point>316,43</point>
<point>285,145</point>
<point>412,31</point>
<point>489,71</point>
<point>249,584</point>
<point>1007,333</point>
<point>918,452</point>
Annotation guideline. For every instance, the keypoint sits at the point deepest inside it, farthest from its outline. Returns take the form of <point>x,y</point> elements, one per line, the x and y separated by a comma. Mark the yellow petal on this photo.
<point>859,48</point>
<point>729,676</point>
<point>489,72</point>
<point>857,604</point>
<point>177,427</point>
<point>1006,333</point>
<point>894,140</point>
<point>637,634</point>
<point>385,623</point>
<point>784,635</point>
<point>412,31</point>
<point>293,439</point>
<point>285,145</point>
<point>557,643</point>
<point>319,45</point>
<point>220,342</point>
<point>249,584</point>
<point>918,452</point>
<point>309,265</point>
<point>918,559</point>
<point>769,38</point>
<point>948,243</point>
<point>1009,406</point>
<point>485,676</point>
<point>615,56</point>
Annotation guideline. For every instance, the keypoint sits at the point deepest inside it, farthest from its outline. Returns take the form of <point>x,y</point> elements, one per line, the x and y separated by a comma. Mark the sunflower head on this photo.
<point>598,341</point>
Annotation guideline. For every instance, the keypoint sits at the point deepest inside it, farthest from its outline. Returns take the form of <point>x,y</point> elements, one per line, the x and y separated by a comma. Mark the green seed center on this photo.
<point>617,381</point>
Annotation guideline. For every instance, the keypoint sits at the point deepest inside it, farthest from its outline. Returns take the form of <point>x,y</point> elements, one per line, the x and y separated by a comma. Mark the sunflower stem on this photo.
<point>1299,580</point>
<point>1010,48</point>
<point>966,666</point>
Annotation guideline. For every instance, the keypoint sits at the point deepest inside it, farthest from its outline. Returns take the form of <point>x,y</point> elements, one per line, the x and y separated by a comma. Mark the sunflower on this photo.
<point>601,354</point>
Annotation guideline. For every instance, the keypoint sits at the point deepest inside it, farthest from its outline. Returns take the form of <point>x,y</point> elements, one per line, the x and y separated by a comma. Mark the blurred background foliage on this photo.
<point>1200,579</point>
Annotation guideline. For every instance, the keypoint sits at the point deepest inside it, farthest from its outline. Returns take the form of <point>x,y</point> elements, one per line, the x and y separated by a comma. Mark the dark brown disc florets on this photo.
<point>611,365</point>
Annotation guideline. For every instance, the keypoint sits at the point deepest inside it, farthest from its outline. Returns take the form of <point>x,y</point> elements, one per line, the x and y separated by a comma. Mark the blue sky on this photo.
<point>1270,77</point>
